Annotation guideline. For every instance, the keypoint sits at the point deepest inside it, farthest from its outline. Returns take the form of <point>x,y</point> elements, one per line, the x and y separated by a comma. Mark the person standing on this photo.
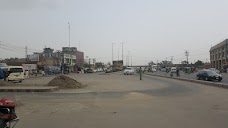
<point>178,72</point>
<point>26,74</point>
<point>140,73</point>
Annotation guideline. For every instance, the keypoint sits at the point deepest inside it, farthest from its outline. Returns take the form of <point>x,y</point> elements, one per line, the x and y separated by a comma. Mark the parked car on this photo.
<point>173,70</point>
<point>15,73</point>
<point>129,71</point>
<point>154,69</point>
<point>208,75</point>
<point>163,69</point>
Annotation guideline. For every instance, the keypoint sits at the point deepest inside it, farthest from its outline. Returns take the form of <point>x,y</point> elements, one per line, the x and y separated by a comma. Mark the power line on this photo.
<point>11,50</point>
<point>19,47</point>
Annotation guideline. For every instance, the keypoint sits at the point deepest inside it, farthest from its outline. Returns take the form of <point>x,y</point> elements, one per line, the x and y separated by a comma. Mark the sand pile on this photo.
<point>65,82</point>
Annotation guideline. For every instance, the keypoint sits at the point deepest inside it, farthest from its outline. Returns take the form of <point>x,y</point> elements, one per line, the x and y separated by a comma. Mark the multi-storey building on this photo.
<point>219,55</point>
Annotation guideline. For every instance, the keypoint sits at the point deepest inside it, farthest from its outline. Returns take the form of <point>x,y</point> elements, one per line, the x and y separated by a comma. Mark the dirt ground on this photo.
<point>118,101</point>
<point>98,82</point>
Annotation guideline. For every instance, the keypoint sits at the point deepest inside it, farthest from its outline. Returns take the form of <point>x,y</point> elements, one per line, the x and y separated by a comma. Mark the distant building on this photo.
<point>46,58</point>
<point>69,55</point>
<point>219,54</point>
<point>14,61</point>
<point>79,58</point>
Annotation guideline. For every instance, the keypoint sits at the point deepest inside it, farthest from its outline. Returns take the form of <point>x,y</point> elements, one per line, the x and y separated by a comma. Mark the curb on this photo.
<point>29,90</point>
<point>194,81</point>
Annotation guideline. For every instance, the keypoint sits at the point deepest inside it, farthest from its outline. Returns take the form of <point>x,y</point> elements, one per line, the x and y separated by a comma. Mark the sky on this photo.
<point>151,30</point>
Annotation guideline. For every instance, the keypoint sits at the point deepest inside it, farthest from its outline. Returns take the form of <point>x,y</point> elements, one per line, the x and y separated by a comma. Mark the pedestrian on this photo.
<point>43,73</point>
<point>26,74</point>
<point>140,73</point>
<point>227,70</point>
<point>178,72</point>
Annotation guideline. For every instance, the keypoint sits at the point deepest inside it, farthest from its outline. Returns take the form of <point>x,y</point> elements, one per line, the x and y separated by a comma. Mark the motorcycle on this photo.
<point>8,117</point>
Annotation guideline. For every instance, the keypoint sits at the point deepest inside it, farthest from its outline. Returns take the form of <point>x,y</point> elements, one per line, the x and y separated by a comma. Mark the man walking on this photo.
<point>140,73</point>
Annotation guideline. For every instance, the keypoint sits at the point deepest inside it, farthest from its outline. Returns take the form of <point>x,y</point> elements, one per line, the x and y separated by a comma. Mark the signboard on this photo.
<point>42,63</point>
<point>71,50</point>
<point>33,57</point>
<point>29,67</point>
<point>120,62</point>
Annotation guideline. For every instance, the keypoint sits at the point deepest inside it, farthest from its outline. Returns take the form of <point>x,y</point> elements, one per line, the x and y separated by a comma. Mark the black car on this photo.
<point>209,75</point>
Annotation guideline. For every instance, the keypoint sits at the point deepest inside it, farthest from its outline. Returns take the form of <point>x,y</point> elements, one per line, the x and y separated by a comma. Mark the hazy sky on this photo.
<point>151,29</point>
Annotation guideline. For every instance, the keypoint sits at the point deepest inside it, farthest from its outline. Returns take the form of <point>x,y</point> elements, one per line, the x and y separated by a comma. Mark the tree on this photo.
<point>99,65</point>
<point>199,63</point>
<point>151,63</point>
<point>184,62</point>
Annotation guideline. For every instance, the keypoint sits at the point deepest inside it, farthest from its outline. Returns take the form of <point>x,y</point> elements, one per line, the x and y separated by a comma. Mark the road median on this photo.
<point>192,80</point>
<point>28,89</point>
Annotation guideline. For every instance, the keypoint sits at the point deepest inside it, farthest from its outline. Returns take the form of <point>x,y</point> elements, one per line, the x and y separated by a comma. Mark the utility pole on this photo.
<point>128,58</point>
<point>122,53</point>
<point>112,53</point>
<point>79,46</point>
<point>118,56</point>
<point>131,61</point>
<point>171,59</point>
<point>26,52</point>
<point>69,32</point>
<point>186,54</point>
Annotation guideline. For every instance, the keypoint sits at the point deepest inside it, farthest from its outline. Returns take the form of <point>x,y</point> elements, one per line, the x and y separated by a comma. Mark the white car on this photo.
<point>154,69</point>
<point>129,71</point>
<point>163,69</point>
<point>173,70</point>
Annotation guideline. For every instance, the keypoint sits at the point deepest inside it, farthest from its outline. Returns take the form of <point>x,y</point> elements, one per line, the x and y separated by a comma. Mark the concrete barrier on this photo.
<point>28,89</point>
<point>193,81</point>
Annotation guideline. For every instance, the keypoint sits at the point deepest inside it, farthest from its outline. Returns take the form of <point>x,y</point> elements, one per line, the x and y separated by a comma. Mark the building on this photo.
<point>69,55</point>
<point>46,58</point>
<point>219,54</point>
<point>79,58</point>
<point>79,55</point>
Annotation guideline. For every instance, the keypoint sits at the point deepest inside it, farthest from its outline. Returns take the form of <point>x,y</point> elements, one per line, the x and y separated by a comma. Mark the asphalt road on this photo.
<point>190,76</point>
<point>152,102</point>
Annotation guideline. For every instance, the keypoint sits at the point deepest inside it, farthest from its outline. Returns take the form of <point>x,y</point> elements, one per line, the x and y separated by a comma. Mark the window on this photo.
<point>15,70</point>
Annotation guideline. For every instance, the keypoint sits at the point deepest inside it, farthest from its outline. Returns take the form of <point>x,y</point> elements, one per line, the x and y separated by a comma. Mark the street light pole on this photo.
<point>128,58</point>
<point>131,61</point>
<point>69,32</point>
<point>122,53</point>
<point>112,53</point>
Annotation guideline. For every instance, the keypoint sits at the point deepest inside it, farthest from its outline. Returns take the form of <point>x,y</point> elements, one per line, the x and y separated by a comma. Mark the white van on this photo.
<point>16,73</point>
<point>173,70</point>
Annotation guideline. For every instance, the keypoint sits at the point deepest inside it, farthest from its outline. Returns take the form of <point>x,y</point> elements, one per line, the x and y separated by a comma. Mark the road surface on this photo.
<point>190,76</point>
<point>152,102</point>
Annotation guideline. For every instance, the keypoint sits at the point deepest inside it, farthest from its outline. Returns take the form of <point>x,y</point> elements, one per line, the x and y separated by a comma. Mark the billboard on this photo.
<point>71,50</point>
<point>118,62</point>
<point>33,57</point>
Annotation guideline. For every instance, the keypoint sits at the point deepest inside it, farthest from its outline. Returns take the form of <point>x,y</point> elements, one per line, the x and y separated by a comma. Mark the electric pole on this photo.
<point>122,53</point>
<point>186,54</point>
<point>171,59</point>
<point>26,52</point>
<point>118,55</point>
<point>131,61</point>
<point>128,59</point>
<point>69,32</point>
<point>112,53</point>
